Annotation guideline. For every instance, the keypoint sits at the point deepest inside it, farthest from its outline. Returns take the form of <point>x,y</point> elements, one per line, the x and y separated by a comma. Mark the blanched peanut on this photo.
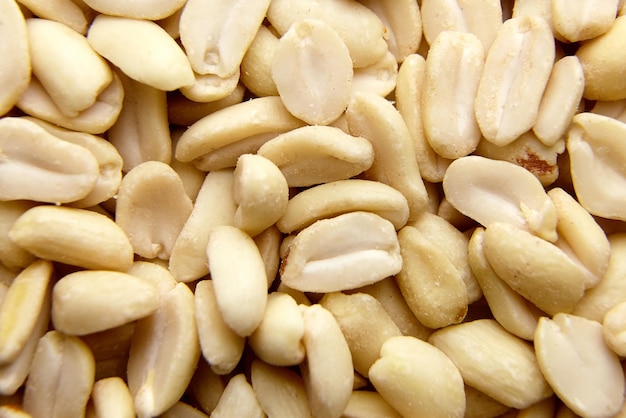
<point>238,400</point>
<point>256,65</point>
<point>16,67</point>
<point>379,78</point>
<point>111,398</point>
<point>268,242</point>
<point>511,193</point>
<point>90,301</point>
<point>539,8</point>
<point>613,327</point>
<point>210,87</point>
<point>318,94</point>
<point>613,108</point>
<point>366,404</point>
<point>587,20</point>
<point>280,391</point>
<point>142,50</point>
<point>327,256</point>
<point>73,236</point>
<point>143,9</point>
<point>11,255</point>
<point>216,35</point>
<point>63,11</point>
<point>582,370</point>
<point>152,208</point>
<point>493,361</point>
<point>417,379</point>
<point>238,275</point>
<point>515,75</point>
<point>61,378</point>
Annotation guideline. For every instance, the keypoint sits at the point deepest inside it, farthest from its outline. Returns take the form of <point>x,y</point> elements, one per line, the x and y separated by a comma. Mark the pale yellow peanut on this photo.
<point>39,166</point>
<point>143,9</point>
<point>238,275</point>
<point>535,268</point>
<point>142,50</point>
<point>256,65</point>
<point>479,405</point>
<point>141,131</point>
<point>597,163</point>
<point>539,8</point>
<point>63,11</point>
<point>516,71</point>
<point>430,283</point>
<point>164,353</point>
<point>85,302</point>
<point>560,100</point>
<point>183,410</point>
<point>16,66</point>
<point>61,57</point>
<point>512,194</point>
<point>364,323</point>
<point>327,370</point>
<point>509,308</point>
<point>238,399</point>
<point>379,78</point>
<point>613,327</point>
<point>327,256</point>
<point>587,20</point>
<point>280,391</point>
<point>154,273</point>
<point>12,256</point>
<point>211,87</point>
<point>613,108</point>
<point>61,378</point>
<point>453,70</point>
<point>376,119</point>
<point>417,379</point>
<point>206,387</point>
<point>215,205</point>
<point>184,112</point>
<point>409,88</point>
<point>268,242</point>
<point>73,236</point>
<point>494,361</point>
<point>359,27</point>
<point>299,296</point>
<point>278,338</point>
<point>368,404</point>
<point>152,208</point>
<point>343,196</point>
<point>191,177</point>
<point>584,373</point>
<point>217,34</point>
<point>317,94</point>
<point>221,346</point>
<point>111,398</point>
<point>263,115</point>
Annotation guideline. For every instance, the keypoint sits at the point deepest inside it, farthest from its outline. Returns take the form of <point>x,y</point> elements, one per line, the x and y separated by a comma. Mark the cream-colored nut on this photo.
<point>409,89</point>
<point>589,19</point>
<point>262,115</point>
<point>238,275</point>
<point>211,87</point>
<point>345,252</point>
<point>60,58</point>
<point>16,67</point>
<point>61,377</point>
<point>498,191</point>
<point>379,78</point>
<point>300,297</point>
<point>493,361</point>
<point>327,371</point>
<point>90,301</point>
<point>318,154</point>
<point>73,236</point>
<point>364,323</point>
<point>206,387</point>
<point>142,50</point>
<point>268,242</point>
<point>184,112</point>
<point>214,206</point>
<point>613,327</point>
<point>514,78</point>
<point>539,8</point>
<point>191,177</point>
<point>238,400</point>
<point>613,108</point>
<point>483,19</point>
<point>318,94</point>
<point>368,404</point>
<point>597,160</point>
<point>256,66</point>
<point>560,100</point>
<point>280,391</point>
<point>181,409</point>
<point>11,255</point>
<point>535,268</point>
<point>453,69</point>
<point>376,119</point>
<point>221,346</point>
<point>66,12</point>
<point>278,338</point>
<point>143,9</point>
<point>430,283</point>
<point>164,353</point>
<point>417,379</point>
<point>479,405</point>
<point>152,208</point>
<point>509,308</point>
<point>584,373</point>
<point>260,192</point>
<point>602,59</point>
<point>343,196</point>
<point>216,35</point>
<point>141,132</point>
<point>155,274</point>
<point>36,165</point>
<point>528,152</point>
<point>359,27</point>
<point>111,398</point>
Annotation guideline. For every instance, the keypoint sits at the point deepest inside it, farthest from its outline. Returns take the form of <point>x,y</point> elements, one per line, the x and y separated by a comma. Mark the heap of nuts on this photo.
<point>312,208</point>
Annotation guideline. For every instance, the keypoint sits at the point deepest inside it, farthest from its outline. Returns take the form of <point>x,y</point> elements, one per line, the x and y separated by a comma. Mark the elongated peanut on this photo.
<point>144,9</point>
<point>12,256</point>
<point>16,66</point>
<point>280,391</point>
<point>379,78</point>
<point>589,20</point>
<point>238,399</point>
<point>256,65</point>
<point>63,11</point>
<point>111,397</point>
<point>613,327</point>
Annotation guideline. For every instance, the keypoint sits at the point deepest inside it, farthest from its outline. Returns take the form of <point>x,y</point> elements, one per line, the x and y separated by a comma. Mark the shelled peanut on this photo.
<point>324,208</point>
